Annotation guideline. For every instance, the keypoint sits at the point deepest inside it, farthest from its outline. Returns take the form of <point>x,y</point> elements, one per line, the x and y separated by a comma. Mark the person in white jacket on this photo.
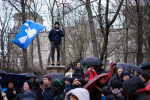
<point>78,94</point>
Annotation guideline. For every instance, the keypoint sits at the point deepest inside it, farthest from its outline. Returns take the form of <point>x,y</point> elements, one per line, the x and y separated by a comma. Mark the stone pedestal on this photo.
<point>56,69</point>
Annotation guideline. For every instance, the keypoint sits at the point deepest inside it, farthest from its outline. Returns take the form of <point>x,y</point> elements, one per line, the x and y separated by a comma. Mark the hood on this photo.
<point>106,90</point>
<point>111,66</point>
<point>80,93</point>
<point>58,86</point>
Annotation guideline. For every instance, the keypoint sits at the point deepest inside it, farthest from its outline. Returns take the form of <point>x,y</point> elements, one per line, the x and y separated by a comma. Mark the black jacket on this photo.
<point>39,94</point>
<point>115,77</point>
<point>28,95</point>
<point>58,87</point>
<point>78,73</point>
<point>9,94</point>
<point>131,86</point>
<point>109,95</point>
<point>55,36</point>
<point>47,93</point>
<point>82,81</point>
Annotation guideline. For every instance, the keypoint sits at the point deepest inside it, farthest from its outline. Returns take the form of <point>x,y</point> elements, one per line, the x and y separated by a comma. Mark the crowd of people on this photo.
<point>120,85</point>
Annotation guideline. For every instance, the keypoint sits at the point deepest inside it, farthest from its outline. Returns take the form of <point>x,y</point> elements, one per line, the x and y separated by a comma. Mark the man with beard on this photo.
<point>116,77</point>
<point>47,93</point>
<point>74,83</point>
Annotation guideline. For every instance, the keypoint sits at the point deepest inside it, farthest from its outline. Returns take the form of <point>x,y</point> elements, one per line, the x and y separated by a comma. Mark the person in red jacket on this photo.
<point>92,73</point>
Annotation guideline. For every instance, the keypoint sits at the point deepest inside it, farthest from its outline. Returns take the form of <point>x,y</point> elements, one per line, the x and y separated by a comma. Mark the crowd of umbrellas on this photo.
<point>19,79</point>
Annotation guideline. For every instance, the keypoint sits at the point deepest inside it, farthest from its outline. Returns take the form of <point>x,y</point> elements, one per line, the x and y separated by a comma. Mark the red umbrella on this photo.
<point>92,82</point>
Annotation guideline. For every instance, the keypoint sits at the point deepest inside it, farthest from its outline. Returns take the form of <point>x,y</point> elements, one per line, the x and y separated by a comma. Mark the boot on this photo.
<point>53,63</point>
<point>58,63</point>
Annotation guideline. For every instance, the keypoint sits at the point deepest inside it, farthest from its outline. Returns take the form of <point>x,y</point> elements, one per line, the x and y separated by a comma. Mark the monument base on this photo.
<point>56,69</point>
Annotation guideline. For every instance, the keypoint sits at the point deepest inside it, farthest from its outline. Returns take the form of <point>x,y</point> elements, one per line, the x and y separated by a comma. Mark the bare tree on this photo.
<point>140,32</point>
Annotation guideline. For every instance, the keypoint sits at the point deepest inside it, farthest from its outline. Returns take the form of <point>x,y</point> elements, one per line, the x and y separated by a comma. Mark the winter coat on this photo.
<point>28,95</point>
<point>82,81</point>
<point>78,73</point>
<point>115,77</point>
<point>67,87</point>
<point>109,95</point>
<point>47,93</point>
<point>112,70</point>
<point>39,94</point>
<point>80,93</point>
<point>131,86</point>
<point>9,94</point>
<point>91,74</point>
<point>58,87</point>
<point>55,36</point>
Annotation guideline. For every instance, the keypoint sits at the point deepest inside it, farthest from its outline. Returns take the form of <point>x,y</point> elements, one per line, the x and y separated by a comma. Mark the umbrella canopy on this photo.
<point>91,62</point>
<point>129,66</point>
<point>54,76</point>
<point>16,78</point>
<point>145,65</point>
<point>29,75</point>
<point>3,73</point>
<point>93,81</point>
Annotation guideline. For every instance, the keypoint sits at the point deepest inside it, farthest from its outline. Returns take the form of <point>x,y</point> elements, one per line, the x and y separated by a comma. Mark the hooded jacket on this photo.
<point>91,74</point>
<point>80,93</point>
<point>55,36</point>
<point>58,87</point>
<point>112,69</point>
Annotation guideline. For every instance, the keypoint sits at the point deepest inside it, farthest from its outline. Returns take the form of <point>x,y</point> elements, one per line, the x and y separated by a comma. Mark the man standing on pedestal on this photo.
<point>55,39</point>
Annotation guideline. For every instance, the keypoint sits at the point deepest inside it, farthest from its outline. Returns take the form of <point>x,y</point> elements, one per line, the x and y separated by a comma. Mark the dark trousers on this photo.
<point>57,47</point>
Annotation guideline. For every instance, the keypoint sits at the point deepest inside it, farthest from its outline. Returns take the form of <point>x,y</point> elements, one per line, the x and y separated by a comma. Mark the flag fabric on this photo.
<point>27,33</point>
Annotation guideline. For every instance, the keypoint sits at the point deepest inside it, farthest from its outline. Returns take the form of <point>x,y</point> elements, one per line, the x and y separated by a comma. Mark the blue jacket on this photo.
<point>55,36</point>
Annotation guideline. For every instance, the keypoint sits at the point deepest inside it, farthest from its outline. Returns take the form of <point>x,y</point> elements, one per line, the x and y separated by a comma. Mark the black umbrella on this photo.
<point>29,75</point>
<point>16,78</point>
<point>129,66</point>
<point>3,73</point>
<point>145,65</point>
<point>54,76</point>
<point>91,62</point>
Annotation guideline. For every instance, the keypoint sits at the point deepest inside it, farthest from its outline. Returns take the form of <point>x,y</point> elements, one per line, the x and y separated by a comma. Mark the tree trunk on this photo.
<point>92,29</point>
<point>39,53</point>
<point>140,34</point>
<point>24,51</point>
<point>126,40</point>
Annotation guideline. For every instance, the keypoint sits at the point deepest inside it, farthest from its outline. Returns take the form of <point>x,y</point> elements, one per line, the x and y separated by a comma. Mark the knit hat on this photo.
<point>124,73</point>
<point>29,83</point>
<point>68,68</point>
<point>145,76</point>
<point>57,23</point>
<point>72,79</point>
<point>116,84</point>
<point>86,75</point>
<point>48,76</point>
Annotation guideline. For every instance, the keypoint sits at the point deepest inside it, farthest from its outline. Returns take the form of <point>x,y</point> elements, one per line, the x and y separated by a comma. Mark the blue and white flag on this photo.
<point>27,33</point>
